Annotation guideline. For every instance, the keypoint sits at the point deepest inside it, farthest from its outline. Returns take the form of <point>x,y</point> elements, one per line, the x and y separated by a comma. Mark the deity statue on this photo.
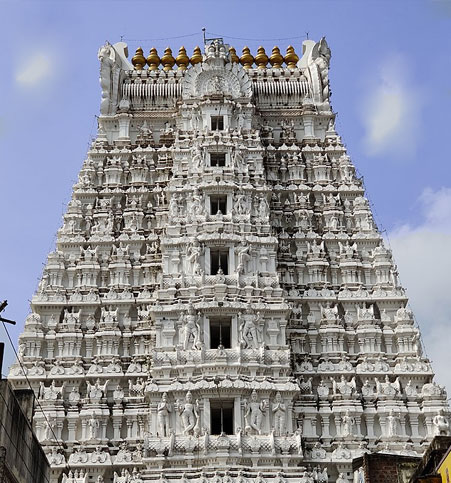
<point>191,330</point>
<point>198,160</point>
<point>106,58</point>
<point>249,330</point>
<point>118,393</point>
<point>441,424</point>
<point>242,251</point>
<point>263,208</point>
<point>189,413</point>
<point>240,204</point>
<point>174,206</point>
<point>164,409</point>
<point>279,411</point>
<point>193,254</point>
<point>254,411</point>
<point>347,425</point>
<point>49,430</point>
<point>92,428</point>
<point>96,391</point>
<point>392,424</point>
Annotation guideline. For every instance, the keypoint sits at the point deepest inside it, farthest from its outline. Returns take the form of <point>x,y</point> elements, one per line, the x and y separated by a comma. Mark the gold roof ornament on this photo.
<point>246,59</point>
<point>233,57</point>
<point>182,59</point>
<point>291,58</point>
<point>261,59</point>
<point>153,60</point>
<point>138,60</point>
<point>167,60</point>
<point>197,56</point>
<point>276,58</point>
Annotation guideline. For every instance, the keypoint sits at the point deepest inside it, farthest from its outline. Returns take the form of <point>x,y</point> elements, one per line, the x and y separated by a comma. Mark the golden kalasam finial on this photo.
<point>261,59</point>
<point>233,57</point>
<point>138,60</point>
<point>291,58</point>
<point>182,60</point>
<point>276,58</point>
<point>246,59</point>
<point>167,60</point>
<point>153,61</point>
<point>197,56</point>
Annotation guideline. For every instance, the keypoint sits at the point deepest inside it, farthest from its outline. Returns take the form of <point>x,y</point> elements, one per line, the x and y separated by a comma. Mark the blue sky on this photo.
<point>390,79</point>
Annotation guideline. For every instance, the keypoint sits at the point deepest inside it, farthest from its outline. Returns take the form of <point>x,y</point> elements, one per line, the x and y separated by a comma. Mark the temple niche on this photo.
<point>220,304</point>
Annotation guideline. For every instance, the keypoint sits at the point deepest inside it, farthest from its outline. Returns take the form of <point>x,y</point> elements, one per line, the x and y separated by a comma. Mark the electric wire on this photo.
<point>37,399</point>
<point>257,40</point>
<point>160,39</point>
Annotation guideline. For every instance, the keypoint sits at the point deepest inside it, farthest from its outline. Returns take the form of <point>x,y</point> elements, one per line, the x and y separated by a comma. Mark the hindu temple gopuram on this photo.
<point>220,305</point>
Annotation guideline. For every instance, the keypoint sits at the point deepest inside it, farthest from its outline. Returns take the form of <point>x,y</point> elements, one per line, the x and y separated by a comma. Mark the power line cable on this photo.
<point>257,40</point>
<point>37,399</point>
<point>163,38</point>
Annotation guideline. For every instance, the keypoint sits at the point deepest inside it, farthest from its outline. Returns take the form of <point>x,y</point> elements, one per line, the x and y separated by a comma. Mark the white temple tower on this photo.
<point>220,304</point>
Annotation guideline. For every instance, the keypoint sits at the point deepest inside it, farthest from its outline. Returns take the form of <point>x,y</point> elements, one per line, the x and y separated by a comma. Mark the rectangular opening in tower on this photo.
<point>219,259</point>
<point>217,160</point>
<point>221,413</point>
<point>220,330</point>
<point>217,123</point>
<point>218,203</point>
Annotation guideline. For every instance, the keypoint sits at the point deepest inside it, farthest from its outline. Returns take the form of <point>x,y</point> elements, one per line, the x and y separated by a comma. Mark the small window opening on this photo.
<point>217,123</point>
<point>218,204</point>
<point>217,160</point>
<point>221,412</point>
<point>219,262</point>
<point>220,329</point>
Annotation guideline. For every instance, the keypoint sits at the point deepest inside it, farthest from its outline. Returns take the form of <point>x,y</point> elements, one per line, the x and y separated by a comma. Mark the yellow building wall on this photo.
<point>444,470</point>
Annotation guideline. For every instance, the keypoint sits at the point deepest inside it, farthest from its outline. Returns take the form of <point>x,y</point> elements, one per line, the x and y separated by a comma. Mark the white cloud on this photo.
<point>391,110</point>
<point>33,73</point>
<point>423,255</point>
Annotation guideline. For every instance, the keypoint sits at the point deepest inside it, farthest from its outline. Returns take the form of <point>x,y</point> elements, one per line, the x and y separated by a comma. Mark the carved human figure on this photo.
<point>118,393</point>
<point>49,430</point>
<point>240,204</point>
<point>191,330</point>
<point>197,209</point>
<point>193,253</point>
<point>174,206</point>
<point>279,412</point>
<point>198,159</point>
<point>96,391</point>
<point>347,425</point>
<point>441,424</point>
<point>242,251</point>
<point>263,208</point>
<point>392,424</point>
<point>92,428</point>
<point>164,410</point>
<point>189,413</point>
<point>249,330</point>
<point>106,65</point>
<point>254,411</point>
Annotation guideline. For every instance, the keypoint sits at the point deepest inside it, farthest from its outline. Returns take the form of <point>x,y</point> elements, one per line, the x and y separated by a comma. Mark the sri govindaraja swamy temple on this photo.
<point>220,305</point>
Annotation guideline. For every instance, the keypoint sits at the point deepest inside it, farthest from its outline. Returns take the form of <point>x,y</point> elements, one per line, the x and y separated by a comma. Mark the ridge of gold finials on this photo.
<point>197,56</point>
<point>276,58</point>
<point>261,59</point>
<point>233,57</point>
<point>246,59</point>
<point>153,61</point>
<point>138,60</point>
<point>167,60</point>
<point>291,58</point>
<point>182,60</point>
